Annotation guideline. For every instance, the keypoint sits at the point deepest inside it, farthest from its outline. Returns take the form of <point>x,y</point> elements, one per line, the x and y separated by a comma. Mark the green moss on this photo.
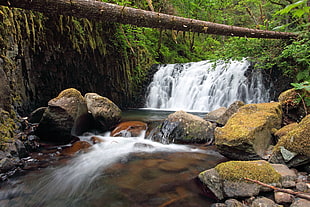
<point>70,92</point>
<point>256,170</point>
<point>298,139</point>
<point>7,128</point>
<point>240,126</point>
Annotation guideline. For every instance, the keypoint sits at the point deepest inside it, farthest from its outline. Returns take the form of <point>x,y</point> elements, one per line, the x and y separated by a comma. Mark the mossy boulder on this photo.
<point>293,148</point>
<point>63,117</point>
<point>292,102</point>
<point>248,133</point>
<point>182,127</point>
<point>7,128</point>
<point>227,179</point>
<point>103,110</point>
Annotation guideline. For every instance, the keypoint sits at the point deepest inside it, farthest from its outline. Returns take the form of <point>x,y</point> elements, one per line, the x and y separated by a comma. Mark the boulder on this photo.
<point>248,133</point>
<point>301,203</point>
<point>103,110</point>
<point>182,127</point>
<point>63,117</point>
<point>284,130</point>
<point>129,129</point>
<point>233,108</point>
<point>216,114</point>
<point>264,202</point>
<point>36,115</point>
<point>292,104</point>
<point>226,180</point>
<point>293,149</point>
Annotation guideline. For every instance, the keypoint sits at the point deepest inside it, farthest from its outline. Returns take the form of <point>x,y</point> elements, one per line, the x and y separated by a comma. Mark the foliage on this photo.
<point>303,93</point>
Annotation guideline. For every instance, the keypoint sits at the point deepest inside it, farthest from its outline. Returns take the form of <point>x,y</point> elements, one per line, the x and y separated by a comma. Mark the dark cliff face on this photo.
<point>41,56</point>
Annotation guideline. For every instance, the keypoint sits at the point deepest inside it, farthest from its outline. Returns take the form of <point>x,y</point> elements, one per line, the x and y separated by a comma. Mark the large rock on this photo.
<point>233,108</point>
<point>292,104</point>
<point>103,110</point>
<point>293,149</point>
<point>216,114</point>
<point>129,129</point>
<point>182,127</point>
<point>248,133</point>
<point>226,180</point>
<point>63,117</point>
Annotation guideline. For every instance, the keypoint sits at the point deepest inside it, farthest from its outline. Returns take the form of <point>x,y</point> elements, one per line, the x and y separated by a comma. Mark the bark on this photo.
<point>114,13</point>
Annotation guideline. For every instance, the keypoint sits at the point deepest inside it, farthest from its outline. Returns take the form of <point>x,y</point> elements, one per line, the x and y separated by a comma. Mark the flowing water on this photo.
<point>117,172</point>
<point>135,171</point>
<point>205,86</point>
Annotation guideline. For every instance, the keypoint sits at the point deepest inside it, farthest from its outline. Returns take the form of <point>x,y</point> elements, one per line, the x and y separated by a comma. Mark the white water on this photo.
<point>203,86</point>
<point>77,177</point>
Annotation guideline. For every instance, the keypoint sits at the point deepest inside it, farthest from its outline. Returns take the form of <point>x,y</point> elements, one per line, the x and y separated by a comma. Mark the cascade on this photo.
<point>205,86</point>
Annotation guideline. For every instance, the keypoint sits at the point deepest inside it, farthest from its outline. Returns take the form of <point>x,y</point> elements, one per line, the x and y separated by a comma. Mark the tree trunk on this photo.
<point>114,13</point>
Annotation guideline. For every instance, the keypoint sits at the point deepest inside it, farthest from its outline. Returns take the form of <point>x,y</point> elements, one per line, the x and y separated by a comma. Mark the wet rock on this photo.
<point>226,179</point>
<point>76,147</point>
<point>301,203</point>
<point>293,149</point>
<point>129,129</point>
<point>173,166</point>
<point>63,116</point>
<point>182,127</point>
<point>6,164</point>
<point>36,115</point>
<point>281,197</point>
<point>96,140</point>
<point>218,205</point>
<point>264,202</point>
<point>143,145</point>
<point>248,133</point>
<point>233,108</point>
<point>103,110</point>
<point>216,114</point>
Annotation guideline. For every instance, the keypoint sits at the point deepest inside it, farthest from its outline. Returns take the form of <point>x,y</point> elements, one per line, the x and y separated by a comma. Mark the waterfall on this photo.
<point>205,86</point>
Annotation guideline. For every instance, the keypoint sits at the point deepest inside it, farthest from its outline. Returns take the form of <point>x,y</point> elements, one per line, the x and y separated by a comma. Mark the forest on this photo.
<point>78,126</point>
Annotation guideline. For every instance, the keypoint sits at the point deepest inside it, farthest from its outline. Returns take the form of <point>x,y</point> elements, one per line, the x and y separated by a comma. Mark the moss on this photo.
<point>256,170</point>
<point>297,140</point>
<point>7,128</point>
<point>70,92</point>
<point>240,126</point>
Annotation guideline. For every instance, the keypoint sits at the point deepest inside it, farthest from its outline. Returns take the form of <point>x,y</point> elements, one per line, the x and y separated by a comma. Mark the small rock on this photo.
<point>234,203</point>
<point>218,205</point>
<point>77,146</point>
<point>301,203</point>
<point>288,176</point>
<point>302,187</point>
<point>263,202</point>
<point>281,197</point>
<point>96,140</point>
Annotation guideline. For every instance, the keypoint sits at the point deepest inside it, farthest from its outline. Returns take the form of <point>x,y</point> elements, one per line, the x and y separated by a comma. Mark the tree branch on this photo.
<point>289,191</point>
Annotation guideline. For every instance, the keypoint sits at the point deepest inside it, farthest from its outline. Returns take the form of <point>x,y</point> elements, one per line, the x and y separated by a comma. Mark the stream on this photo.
<point>117,172</point>
<point>134,171</point>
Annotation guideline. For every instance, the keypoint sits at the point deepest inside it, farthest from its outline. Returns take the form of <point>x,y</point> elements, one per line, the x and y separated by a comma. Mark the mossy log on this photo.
<point>114,13</point>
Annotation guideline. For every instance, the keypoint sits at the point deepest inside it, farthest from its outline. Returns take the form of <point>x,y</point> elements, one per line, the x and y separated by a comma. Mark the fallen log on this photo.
<point>107,12</point>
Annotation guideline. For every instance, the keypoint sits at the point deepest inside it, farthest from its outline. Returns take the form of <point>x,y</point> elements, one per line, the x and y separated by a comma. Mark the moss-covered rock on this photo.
<point>255,170</point>
<point>103,110</point>
<point>182,127</point>
<point>227,179</point>
<point>248,133</point>
<point>63,116</point>
<point>293,148</point>
<point>293,104</point>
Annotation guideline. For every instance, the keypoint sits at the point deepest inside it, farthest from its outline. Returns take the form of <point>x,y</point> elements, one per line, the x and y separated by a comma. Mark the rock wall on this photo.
<point>43,55</point>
